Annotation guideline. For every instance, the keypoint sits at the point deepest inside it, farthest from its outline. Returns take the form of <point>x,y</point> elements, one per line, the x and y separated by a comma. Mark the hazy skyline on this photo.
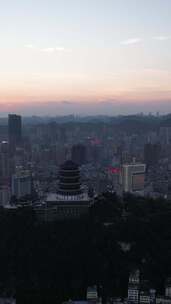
<point>85,56</point>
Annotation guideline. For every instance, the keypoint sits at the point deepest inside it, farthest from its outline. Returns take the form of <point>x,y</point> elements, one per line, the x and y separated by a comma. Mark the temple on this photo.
<point>70,201</point>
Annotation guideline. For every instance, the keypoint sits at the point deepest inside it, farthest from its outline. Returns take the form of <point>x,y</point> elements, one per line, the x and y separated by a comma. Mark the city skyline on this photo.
<point>92,57</point>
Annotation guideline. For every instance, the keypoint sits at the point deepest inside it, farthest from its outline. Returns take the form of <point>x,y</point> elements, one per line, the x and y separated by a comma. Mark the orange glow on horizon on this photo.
<point>122,97</point>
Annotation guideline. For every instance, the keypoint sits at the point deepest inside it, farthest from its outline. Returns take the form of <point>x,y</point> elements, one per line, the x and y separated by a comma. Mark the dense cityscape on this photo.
<point>85,205</point>
<point>121,154</point>
<point>85,152</point>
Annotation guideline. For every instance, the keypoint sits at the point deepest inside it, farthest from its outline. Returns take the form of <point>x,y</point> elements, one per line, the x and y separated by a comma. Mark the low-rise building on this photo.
<point>134,287</point>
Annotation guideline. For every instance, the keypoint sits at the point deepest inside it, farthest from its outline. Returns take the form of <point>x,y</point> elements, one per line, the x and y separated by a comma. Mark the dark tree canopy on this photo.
<point>53,262</point>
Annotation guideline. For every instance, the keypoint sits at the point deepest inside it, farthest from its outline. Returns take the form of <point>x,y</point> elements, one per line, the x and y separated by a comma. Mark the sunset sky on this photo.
<point>85,56</point>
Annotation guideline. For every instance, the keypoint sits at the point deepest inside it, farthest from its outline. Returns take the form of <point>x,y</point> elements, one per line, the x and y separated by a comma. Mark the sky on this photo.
<point>85,56</point>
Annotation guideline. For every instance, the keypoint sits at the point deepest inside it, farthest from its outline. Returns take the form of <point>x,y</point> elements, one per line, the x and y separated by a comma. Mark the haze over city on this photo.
<point>85,57</point>
<point>85,152</point>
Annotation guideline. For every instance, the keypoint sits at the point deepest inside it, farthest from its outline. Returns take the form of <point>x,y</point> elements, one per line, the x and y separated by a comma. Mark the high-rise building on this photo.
<point>134,287</point>
<point>165,135</point>
<point>21,184</point>
<point>14,131</point>
<point>152,154</point>
<point>78,154</point>
<point>4,162</point>
<point>5,195</point>
<point>133,177</point>
<point>147,297</point>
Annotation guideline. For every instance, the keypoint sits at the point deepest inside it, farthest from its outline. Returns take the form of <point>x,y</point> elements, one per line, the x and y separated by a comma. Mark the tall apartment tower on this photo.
<point>4,161</point>
<point>78,154</point>
<point>21,184</point>
<point>14,131</point>
<point>152,154</point>
<point>134,287</point>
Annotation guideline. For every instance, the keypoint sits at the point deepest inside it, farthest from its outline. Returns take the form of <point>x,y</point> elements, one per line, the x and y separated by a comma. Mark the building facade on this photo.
<point>21,184</point>
<point>134,287</point>
<point>14,131</point>
<point>133,177</point>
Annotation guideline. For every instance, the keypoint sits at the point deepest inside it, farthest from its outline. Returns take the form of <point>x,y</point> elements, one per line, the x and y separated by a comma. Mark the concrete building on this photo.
<point>5,195</point>
<point>163,300</point>
<point>133,177</point>
<point>78,154</point>
<point>14,131</point>
<point>144,297</point>
<point>168,288</point>
<point>4,160</point>
<point>139,292</point>
<point>21,184</point>
<point>152,294</point>
<point>165,135</point>
<point>91,297</point>
<point>152,154</point>
<point>92,294</point>
<point>134,287</point>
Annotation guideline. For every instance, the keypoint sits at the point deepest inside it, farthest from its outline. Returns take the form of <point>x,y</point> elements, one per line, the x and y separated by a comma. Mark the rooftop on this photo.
<point>69,165</point>
<point>54,197</point>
